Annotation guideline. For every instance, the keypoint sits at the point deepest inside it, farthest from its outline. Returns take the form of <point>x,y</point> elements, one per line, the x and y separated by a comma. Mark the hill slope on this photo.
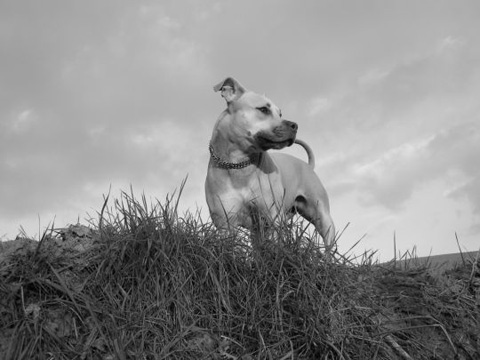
<point>146,283</point>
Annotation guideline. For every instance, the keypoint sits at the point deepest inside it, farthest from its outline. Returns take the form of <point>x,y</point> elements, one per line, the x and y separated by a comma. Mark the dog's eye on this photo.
<point>265,110</point>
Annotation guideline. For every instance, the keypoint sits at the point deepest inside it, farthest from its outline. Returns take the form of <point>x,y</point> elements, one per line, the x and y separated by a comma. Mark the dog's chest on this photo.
<point>259,189</point>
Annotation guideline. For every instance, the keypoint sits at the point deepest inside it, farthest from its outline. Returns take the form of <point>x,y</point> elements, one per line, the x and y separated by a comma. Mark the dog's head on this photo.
<point>257,117</point>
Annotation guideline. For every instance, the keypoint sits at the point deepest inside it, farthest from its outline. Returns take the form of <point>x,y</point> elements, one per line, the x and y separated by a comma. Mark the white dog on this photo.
<point>243,177</point>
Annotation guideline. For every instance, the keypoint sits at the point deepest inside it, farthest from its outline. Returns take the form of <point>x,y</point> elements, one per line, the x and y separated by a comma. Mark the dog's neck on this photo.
<point>229,156</point>
<point>221,163</point>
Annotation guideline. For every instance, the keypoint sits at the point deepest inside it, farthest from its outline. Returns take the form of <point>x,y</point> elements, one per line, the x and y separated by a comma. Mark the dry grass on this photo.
<point>146,283</point>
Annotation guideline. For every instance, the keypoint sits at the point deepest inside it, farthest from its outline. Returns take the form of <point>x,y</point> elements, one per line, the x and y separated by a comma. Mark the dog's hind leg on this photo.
<point>319,215</point>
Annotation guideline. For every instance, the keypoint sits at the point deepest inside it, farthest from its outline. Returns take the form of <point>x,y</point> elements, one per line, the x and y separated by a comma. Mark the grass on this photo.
<point>146,283</point>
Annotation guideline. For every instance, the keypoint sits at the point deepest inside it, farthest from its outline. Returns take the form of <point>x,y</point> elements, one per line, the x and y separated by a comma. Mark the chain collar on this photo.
<point>225,164</point>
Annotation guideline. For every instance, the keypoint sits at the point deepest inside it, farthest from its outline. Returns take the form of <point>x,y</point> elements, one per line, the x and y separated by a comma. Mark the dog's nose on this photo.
<point>291,125</point>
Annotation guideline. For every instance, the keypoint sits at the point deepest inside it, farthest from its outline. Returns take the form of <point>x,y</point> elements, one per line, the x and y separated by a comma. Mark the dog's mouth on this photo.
<point>267,141</point>
<point>279,137</point>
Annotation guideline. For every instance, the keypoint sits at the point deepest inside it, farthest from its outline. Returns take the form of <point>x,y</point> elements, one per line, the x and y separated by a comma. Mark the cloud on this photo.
<point>394,92</point>
<point>19,121</point>
<point>96,102</point>
<point>400,127</point>
<point>457,149</point>
<point>318,106</point>
<point>99,93</point>
<point>391,179</point>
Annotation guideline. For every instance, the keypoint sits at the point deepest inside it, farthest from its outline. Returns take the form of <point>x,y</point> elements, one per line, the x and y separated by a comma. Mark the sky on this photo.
<point>98,95</point>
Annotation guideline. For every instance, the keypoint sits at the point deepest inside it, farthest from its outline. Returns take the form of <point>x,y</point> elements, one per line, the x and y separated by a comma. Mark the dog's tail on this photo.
<point>311,157</point>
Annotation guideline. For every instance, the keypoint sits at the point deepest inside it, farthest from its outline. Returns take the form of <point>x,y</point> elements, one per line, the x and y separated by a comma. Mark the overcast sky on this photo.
<point>387,93</point>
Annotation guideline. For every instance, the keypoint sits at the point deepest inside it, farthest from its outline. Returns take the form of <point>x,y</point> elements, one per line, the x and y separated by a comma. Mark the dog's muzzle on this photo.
<point>280,137</point>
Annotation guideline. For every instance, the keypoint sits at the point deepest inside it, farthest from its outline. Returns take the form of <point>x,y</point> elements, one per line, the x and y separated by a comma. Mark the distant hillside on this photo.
<point>441,262</point>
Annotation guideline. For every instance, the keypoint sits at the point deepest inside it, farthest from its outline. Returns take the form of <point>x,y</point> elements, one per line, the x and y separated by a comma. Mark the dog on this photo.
<point>243,179</point>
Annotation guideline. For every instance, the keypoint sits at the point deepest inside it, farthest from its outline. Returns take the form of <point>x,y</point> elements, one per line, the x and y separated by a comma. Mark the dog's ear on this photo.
<point>230,89</point>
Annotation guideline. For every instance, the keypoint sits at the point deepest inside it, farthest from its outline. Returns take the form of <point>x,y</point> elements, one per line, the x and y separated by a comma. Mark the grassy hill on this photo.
<point>145,283</point>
